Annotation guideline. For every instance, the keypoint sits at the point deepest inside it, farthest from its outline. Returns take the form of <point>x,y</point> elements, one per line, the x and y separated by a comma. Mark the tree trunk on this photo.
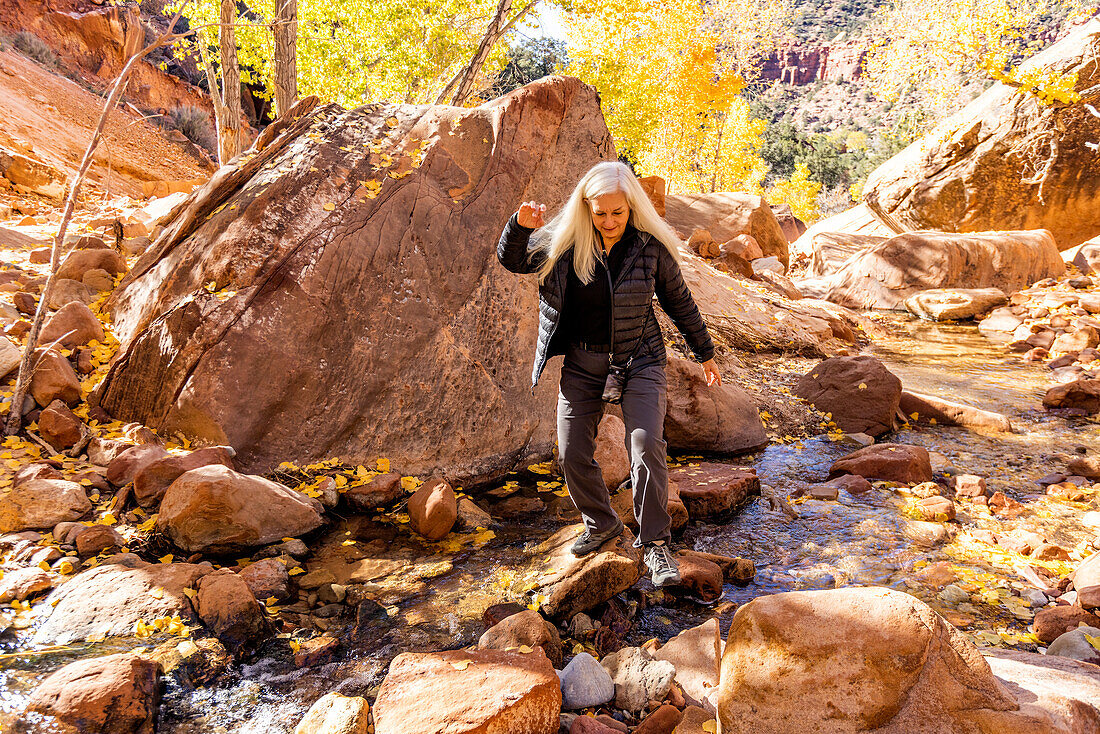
<point>463,81</point>
<point>229,131</point>
<point>492,33</point>
<point>286,49</point>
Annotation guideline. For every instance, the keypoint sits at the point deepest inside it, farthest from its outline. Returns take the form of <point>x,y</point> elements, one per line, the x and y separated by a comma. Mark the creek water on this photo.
<point>436,599</point>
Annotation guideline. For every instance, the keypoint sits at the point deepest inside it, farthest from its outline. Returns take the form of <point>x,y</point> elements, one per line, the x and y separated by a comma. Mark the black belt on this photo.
<point>591,347</point>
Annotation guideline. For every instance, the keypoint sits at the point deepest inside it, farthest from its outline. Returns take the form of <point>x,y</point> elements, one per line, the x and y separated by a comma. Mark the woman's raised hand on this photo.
<point>530,214</point>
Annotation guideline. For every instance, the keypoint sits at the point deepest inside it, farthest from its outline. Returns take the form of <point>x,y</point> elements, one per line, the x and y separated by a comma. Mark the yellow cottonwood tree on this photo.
<point>670,73</point>
<point>935,46</point>
<point>800,191</point>
<point>353,51</point>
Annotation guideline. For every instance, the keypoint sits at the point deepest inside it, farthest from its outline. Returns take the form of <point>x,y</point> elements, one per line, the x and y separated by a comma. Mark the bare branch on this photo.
<point>15,419</point>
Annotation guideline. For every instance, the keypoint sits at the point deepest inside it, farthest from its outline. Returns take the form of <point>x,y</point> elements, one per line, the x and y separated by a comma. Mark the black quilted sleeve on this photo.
<point>676,300</point>
<point>513,251</point>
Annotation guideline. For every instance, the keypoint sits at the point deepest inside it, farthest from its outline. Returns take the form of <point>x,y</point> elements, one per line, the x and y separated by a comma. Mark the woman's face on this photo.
<point>610,214</point>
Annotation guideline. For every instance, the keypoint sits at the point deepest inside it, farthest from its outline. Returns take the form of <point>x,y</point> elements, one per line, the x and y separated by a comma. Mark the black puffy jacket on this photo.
<point>648,269</point>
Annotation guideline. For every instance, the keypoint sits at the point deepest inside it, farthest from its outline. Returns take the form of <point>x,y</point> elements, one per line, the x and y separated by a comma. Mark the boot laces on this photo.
<point>659,559</point>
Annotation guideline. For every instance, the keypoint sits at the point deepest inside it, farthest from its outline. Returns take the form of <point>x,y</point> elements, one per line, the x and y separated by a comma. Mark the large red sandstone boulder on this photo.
<point>1008,160</point>
<point>433,509</point>
<point>53,378</point>
<point>709,489</point>
<point>227,607</point>
<point>855,221</point>
<point>569,584</point>
<point>1082,395</point>
<point>792,226</point>
<point>73,324</point>
<point>152,480</point>
<point>862,395</point>
<point>110,599</point>
<point>885,275</point>
<point>893,462</point>
<point>114,694</point>
<point>698,417</point>
<point>78,262</point>
<point>900,668</point>
<point>360,311</point>
<point>214,509</point>
<point>42,503</point>
<point>469,692</point>
<point>526,628</point>
<point>725,215</point>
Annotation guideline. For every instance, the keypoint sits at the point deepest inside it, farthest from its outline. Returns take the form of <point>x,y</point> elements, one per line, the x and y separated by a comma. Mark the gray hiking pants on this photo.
<point>580,407</point>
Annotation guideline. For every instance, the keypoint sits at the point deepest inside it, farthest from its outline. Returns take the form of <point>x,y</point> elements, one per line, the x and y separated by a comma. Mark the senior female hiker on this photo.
<point>599,263</point>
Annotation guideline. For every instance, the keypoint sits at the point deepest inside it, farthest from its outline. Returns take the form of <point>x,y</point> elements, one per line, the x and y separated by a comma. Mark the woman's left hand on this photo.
<point>710,371</point>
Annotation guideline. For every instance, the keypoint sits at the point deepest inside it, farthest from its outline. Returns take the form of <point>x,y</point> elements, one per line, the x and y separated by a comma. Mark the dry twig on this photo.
<point>15,418</point>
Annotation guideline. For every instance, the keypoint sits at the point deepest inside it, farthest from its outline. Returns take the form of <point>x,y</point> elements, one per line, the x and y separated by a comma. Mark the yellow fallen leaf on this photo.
<point>191,593</point>
<point>862,386</point>
<point>349,542</point>
<point>296,570</point>
<point>166,559</point>
<point>711,726</point>
<point>329,206</point>
<point>461,665</point>
<point>65,568</point>
<point>294,645</point>
<point>187,648</point>
<point>44,566</point>
<point>157,593</point>
<point>525,649</point>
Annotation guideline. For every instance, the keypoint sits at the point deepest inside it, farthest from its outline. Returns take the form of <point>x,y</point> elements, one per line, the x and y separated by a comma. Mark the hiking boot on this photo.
<point>590,541</point>
<point>661,564</point>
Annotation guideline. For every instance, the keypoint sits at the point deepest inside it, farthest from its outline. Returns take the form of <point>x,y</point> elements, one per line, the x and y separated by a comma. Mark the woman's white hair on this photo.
<point>572,228</point>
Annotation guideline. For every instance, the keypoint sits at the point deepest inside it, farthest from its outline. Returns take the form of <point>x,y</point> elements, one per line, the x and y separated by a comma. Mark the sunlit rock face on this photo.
<point>337,293</point>
<point>1008,160</point>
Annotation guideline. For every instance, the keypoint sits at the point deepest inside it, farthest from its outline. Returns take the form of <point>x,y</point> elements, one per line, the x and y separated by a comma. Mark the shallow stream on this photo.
<point>436,599</point>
